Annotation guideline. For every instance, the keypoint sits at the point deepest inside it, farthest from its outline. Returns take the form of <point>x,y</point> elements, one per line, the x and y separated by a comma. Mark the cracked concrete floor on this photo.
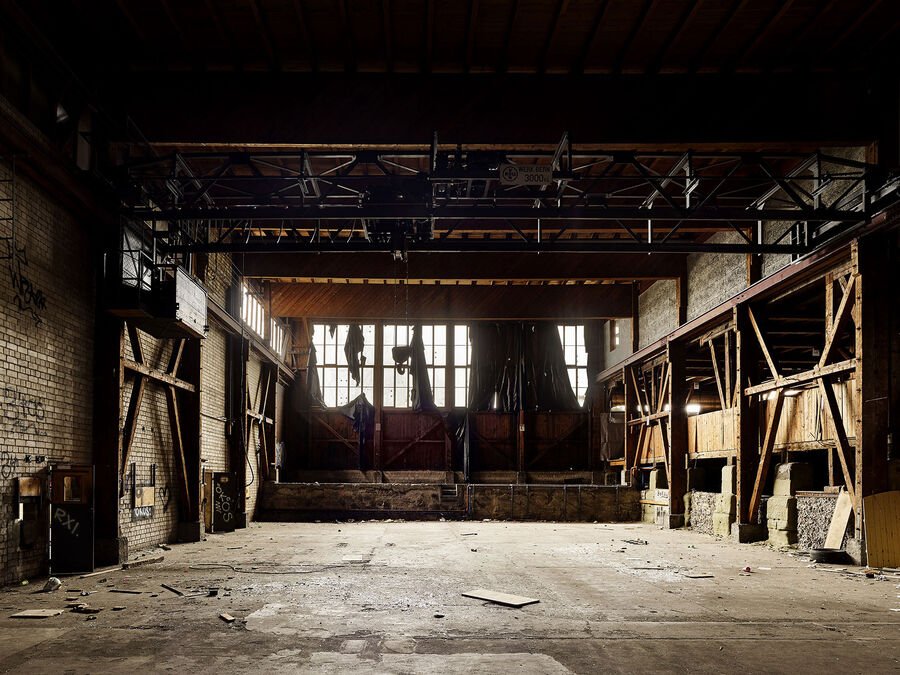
<point>363,597</point>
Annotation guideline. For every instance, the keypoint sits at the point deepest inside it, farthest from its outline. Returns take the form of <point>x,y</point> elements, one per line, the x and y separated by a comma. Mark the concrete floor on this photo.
<point>363,597</point>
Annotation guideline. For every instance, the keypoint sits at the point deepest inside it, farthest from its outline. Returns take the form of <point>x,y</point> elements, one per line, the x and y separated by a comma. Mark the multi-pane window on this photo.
<point>397,386</point>
<point>615,338</point>
<point>572,339</point>
<point>276,337</point>
<point>338,387</point>
<point>252,312</point>
<point>462,365</point>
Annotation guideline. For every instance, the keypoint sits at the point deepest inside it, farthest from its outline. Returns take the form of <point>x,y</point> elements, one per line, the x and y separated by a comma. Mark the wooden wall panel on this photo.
<point>556,441</point>
<point>493,441</point>
<point>413,441</point>
<point>713,432</point>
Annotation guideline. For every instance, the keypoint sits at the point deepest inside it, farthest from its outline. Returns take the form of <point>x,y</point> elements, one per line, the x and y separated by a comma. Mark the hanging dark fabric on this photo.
<point>313,386</point>
<point>522,364</point>
<point>497,366</point>
<point>547,384</point>
<point>362,413</point>
<point>414,352</point>
<point>353,350</point>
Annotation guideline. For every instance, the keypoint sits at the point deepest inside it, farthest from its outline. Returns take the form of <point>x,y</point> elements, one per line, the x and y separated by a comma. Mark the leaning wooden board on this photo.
<point>839,519</point>
<point>500,598</point>
<point>881,514</point>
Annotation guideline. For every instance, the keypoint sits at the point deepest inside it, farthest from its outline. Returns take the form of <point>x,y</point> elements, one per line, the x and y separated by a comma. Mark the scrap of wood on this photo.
<point>839,519</point>
<point>37,613</point>
<point>99,572</point>
<point>500,598</point>
<point>174,590</point>
<point>138,563</point>
<point>227,618</point>
<point>697,575</point>
<point>122,590</point>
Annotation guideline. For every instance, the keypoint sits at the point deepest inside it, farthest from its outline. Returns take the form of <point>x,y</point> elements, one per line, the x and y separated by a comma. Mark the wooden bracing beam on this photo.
<point>762,344</point>
<point>840,434</point>
<point>765,455</point>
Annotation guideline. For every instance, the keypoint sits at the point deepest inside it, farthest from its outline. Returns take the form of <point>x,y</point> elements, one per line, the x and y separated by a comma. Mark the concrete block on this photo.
<point>673,521</point>
<point>696,479</point>
<point>783,525</point>
<point>782,508</point>
<point>726,504</point>
<point>791,477</point>
<point>658,479</point>
<point>782,538</point>
<point>722,524</point>
<point>729,479</point>
<point>745,532</point>
<point>856,549</point>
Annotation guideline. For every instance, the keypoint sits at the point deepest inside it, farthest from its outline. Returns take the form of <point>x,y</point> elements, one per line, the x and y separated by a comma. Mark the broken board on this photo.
<point>882,519</point>
<point>500,598</point>
<point>37,613</point>
<point>839,519</point>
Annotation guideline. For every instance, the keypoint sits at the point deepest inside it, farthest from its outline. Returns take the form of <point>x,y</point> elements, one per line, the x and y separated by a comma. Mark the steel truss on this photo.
<point>456,199</point>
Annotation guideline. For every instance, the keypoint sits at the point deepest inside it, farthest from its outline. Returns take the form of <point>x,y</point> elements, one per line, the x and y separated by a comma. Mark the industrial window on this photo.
<point>276,337</point>
<point>338,387</point>
<point>572,338</point>
<point>462,365</point>
<point>615,337</point>
<point>397,386</point>
<point>252,312</point>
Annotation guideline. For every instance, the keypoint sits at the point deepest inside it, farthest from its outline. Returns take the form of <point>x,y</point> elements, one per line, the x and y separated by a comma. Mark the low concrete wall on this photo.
<point>703,505</point>
<point>305,501</point>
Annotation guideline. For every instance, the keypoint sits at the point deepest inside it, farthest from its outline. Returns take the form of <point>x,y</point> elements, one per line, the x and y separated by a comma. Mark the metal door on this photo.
<point>224,502</point>
<point>71,519</point>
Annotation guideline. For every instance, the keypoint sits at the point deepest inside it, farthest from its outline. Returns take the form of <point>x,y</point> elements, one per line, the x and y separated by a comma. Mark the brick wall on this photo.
<point>46,355</point>
<point>152,445</point>
<point>657,313</point>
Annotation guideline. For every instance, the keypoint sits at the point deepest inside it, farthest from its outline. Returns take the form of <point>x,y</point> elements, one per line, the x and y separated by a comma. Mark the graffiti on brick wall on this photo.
<point>8,464</point>
<point>28,298</point>
<point>165,497</point>
<point>23,413</point>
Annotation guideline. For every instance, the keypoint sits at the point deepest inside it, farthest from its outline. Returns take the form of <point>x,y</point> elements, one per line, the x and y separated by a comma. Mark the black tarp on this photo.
<point>353,350</point>
<point>362,413</point>
<point>422,398</point>
<point>313,386</point>
<point>522,364</point>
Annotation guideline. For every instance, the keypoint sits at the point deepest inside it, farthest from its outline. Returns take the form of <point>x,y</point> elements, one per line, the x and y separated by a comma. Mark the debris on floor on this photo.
<point>636,542</point>
<point>227,618</point>
<point>500,598</point>
<point>37,613</point>
<point>52,584</point>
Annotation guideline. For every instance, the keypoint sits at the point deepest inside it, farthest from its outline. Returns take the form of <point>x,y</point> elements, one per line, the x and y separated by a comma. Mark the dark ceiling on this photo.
<point>494,36</point>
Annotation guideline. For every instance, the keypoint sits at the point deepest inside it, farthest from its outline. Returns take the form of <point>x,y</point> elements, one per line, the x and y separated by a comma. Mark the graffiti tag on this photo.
<point>23,414</point>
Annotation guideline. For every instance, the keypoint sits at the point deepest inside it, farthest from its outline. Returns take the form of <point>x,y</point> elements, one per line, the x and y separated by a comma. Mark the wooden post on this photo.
<point>678,434</point>
<point>747,422</point>
<point>520,448</point>
<point>378,385</point>
<point>872,312</point>
<point>635,326</point>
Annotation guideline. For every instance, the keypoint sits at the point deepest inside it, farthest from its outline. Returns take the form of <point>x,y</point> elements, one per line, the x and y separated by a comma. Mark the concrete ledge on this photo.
<point>573,503</point>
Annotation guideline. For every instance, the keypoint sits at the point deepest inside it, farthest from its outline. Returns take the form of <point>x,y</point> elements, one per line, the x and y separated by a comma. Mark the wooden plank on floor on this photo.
<point>881,514</point>
<point>842,510</point>
<point>500,598</point>
<point>37,613</point>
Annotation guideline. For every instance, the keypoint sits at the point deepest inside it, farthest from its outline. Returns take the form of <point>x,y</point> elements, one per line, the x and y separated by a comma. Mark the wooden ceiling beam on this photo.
<point>554,26</point>
<point>690,11</point>
<point>635,29</point>
<point>266,35</point>
<point>734,8</point>
<point>356,302</point>
<point>589,43</point>
<point>302,23</point>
